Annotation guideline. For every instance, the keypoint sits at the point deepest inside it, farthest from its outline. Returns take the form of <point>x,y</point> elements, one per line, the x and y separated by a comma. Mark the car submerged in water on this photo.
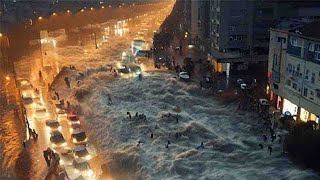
<point>127,71</point>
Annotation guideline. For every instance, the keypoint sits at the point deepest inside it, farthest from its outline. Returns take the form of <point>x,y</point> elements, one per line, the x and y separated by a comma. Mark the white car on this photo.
<point>184,76</point>
<point>40,112</point>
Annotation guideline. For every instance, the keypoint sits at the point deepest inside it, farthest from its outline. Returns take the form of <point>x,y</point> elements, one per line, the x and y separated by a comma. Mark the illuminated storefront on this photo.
<point>289,106</point>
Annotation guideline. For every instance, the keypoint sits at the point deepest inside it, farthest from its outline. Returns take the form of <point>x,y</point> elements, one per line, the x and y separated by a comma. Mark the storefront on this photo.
<point>289,106</point>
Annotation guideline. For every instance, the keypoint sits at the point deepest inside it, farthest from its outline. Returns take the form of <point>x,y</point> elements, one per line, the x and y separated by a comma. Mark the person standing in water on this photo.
<point>270,149</point>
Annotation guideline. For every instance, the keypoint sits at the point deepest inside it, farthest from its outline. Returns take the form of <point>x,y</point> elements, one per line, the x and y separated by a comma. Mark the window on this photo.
<point>313,78</point>
<point>311,47</point>
<point>311,93</point>
<point>317,52</point>
<point>275,86</point>
<point>295,42</point>
<point>275,59</point>
<point>318,93</point>
<point>289,82</point>
<point>307,74</point>
<point>232,28</point>
<point>281,39</point>
<point>294,86</point>
<point>305,92</point>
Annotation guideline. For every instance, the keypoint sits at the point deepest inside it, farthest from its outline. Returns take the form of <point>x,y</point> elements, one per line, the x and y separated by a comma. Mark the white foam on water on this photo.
<point>230,137</point>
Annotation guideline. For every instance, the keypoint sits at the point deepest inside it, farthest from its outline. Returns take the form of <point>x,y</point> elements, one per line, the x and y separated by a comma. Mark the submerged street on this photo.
<point>136,117</point>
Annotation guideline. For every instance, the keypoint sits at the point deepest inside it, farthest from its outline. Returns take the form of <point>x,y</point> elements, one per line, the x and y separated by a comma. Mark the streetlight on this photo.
<point>82,10</point>
<point>91,8</point>
<point>102,7</point>
<point>68,11</point>
<point>1,35</point>
<point>40,18</point>
<point>54,14</point>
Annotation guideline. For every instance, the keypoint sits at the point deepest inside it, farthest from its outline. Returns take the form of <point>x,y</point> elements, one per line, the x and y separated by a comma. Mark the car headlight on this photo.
<point>88,157</point>
<point>89,173</point>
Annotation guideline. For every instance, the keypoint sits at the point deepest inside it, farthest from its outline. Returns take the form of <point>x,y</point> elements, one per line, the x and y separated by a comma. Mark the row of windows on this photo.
<point>306,91</point>
<point>295,71</point>
<point>237,37</point>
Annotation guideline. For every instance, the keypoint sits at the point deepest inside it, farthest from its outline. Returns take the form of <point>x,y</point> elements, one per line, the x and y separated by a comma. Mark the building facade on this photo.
<point>294,71</point>
<point>239,30</point>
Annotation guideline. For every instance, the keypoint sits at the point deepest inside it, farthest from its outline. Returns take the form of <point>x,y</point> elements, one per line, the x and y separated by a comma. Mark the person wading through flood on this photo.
<point>46,157</point>
<point>129,115</point>
<point>270,149</point>
<point>261,146</point>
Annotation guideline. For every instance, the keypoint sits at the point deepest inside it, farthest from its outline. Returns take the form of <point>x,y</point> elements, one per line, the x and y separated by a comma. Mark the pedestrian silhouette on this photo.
<point>270,149</point>
<point>265,138</point>
<point>261,146</point>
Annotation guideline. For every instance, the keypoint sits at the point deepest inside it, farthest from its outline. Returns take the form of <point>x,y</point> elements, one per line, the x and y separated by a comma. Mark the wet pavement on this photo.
<point>12,132</point>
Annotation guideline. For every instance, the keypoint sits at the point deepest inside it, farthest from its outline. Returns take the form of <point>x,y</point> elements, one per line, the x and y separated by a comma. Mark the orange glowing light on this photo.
<point>82,10</point>
<point>54,14</point>
<point>68,11</point>
<point>40,18</point>
<point>102,7</point>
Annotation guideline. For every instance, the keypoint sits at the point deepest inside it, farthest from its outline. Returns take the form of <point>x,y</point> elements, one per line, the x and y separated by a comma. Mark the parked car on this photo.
<point>184,76</point>
<point>80,151</point>
<point>57,139</point>
<point>78,136</point>
<point>82,167</point>
<point>53,124</point>
<point>40,112</point>
<point>73,118</point>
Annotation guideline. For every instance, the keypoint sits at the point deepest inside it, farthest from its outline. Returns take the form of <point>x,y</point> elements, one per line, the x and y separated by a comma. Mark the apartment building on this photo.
<point>294,70</point>
<point>239,30</point>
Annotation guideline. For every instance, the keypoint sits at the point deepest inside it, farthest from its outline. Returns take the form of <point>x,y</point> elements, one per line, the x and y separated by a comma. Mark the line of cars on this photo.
<point>74,160</point>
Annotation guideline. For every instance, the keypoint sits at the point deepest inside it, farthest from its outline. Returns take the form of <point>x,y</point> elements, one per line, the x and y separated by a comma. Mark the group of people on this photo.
<point>137,116</point>
<point>273,137</point>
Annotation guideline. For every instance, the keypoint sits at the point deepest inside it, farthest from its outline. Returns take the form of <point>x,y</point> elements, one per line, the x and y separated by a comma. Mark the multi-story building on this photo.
<point>239,33</point>
<point>294,70</point>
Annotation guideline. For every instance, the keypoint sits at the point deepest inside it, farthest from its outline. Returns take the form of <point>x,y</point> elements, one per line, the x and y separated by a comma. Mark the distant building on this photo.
<point>236,33</point>
<point>294,70</point>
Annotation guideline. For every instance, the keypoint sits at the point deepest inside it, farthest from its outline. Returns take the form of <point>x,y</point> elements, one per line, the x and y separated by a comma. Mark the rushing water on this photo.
<point>230,137</point>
